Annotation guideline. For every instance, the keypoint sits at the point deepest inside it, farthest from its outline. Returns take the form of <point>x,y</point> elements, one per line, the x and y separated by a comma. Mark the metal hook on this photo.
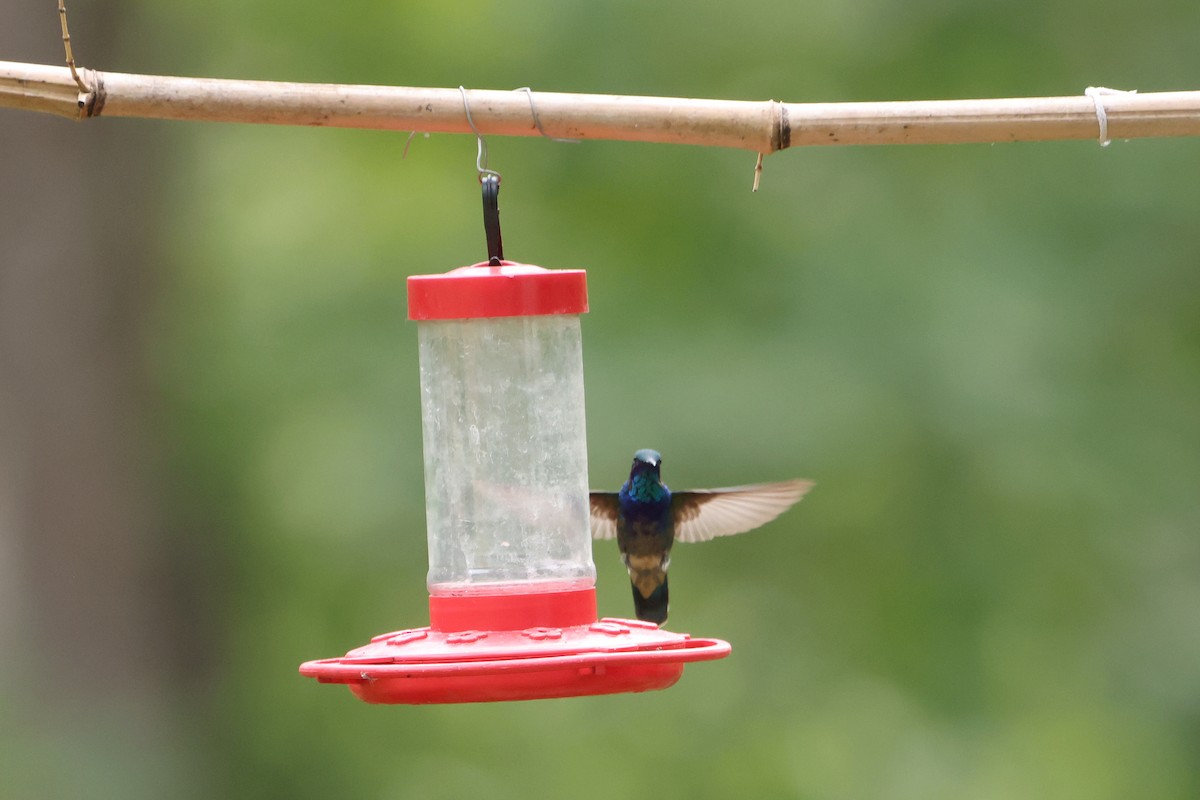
<point>481,152</point>
<point>490,180</point>
<point>491,218</point>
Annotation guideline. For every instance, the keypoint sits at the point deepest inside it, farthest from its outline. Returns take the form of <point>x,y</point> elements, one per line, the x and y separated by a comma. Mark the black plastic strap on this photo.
<point>491,218</point>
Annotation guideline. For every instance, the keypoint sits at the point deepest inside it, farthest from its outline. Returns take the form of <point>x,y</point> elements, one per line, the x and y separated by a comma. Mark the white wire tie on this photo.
<point>1097,94</point>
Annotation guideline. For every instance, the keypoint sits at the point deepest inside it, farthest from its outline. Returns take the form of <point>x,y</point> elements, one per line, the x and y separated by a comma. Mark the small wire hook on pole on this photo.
<point>490,180</point>
<point>481,152</point>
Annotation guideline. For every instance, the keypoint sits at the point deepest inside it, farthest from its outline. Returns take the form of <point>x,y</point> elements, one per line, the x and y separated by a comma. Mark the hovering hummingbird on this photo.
<point>647,518</point>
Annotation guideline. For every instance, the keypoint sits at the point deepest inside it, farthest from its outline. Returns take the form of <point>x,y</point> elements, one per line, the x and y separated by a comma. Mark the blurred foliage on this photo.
<point>987,356</point>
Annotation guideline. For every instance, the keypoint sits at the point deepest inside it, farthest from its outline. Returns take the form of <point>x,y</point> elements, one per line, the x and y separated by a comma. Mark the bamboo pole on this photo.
<point>764,126</point>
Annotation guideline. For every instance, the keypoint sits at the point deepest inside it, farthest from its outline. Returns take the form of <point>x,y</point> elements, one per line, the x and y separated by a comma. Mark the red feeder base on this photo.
<point>484,648</point>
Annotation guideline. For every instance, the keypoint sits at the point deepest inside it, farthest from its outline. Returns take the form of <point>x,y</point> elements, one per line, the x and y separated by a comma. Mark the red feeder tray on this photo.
<point>491,647</point>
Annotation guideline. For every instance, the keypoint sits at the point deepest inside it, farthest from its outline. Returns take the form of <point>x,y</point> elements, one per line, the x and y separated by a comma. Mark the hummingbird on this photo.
<point>647,518</point>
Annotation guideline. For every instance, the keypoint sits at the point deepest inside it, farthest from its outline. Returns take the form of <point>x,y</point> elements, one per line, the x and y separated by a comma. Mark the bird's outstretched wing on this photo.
<point>705,514</point>
<point>604,515</point>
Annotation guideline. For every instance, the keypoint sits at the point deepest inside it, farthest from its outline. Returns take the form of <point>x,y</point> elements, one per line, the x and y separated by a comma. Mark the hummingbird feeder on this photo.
<point>512,598</point>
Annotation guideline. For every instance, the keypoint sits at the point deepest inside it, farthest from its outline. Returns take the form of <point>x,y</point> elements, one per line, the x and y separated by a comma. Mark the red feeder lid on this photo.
<point>509,290</point>
<point>533,647</point>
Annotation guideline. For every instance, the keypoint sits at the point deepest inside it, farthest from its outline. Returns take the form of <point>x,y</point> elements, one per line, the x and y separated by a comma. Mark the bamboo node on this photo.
<point>782,135</point>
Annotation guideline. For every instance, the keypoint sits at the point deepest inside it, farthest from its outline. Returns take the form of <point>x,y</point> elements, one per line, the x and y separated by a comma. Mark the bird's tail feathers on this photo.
<point>652,608</point>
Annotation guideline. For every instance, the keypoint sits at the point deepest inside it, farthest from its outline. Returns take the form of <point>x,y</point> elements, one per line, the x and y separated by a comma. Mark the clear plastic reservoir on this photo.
<point>506,488</point>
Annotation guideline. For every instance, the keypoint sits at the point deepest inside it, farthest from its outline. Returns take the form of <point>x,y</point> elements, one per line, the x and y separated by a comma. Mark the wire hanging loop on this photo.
<point>491,218</point>
<point>537,120</point>
<point>490,180</point>
<point>481,150</point>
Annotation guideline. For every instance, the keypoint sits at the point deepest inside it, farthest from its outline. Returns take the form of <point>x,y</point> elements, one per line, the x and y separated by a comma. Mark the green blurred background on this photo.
<point>988,357</point>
